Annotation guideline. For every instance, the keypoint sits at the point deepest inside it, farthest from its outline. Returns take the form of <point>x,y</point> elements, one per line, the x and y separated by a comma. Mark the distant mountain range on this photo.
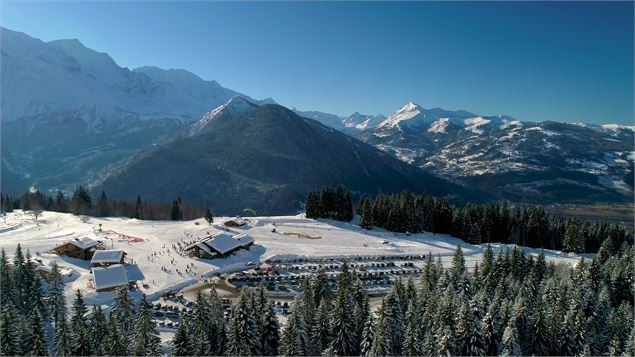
<point>546,162</point>
<point>71,115</point>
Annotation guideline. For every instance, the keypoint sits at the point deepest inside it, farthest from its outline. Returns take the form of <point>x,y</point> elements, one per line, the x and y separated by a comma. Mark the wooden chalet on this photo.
<point>81,248</point>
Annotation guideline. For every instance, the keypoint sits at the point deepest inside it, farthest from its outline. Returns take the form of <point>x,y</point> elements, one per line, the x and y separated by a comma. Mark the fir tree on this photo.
<point>368,336</point>
<point>367,214</point>
<point>321,333</point>
<point>294,336</point>
<point>36,344</point>
<point>62,342</point>
<point>56,295</point>
<point>10,344</point>
<point>181,341</point>
<point>145,341</point>
<point>81,343</point>
<point>209,216</point>
<point>270,338</point>
<point>123,311</point>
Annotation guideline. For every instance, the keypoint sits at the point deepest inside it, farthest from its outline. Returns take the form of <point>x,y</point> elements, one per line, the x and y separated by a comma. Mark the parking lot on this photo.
<point>284,276</point>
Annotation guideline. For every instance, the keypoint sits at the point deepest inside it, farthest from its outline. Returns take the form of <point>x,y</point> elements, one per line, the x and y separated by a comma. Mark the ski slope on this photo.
<point>153,261</point>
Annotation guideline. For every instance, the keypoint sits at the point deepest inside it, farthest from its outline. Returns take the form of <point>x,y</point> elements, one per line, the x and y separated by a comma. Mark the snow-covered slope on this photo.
<point>544,162</point>
<point>154,261</point>
<point>38,77</point>
<point>69,112</point>
<point>234,107</point>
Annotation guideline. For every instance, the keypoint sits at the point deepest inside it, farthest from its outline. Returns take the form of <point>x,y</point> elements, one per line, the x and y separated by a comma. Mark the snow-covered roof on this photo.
<point>110,277</point>
<point>204,247</point>
<point>244,239</point>
<point>223,243</point>
<point>84,242</point>
<point>238,220</point>
<point>107,256</point>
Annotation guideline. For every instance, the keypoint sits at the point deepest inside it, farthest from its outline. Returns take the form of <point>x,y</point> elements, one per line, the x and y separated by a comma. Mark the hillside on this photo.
<point>266,159</point>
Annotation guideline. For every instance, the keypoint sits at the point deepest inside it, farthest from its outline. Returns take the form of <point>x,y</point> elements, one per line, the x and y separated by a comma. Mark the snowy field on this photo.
<point>155,264</point>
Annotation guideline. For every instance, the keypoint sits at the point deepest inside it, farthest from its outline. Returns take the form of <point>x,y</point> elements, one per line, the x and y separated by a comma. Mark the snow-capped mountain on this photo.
<point>69,112</point>
<point>38,77</point>
<point>538,162</point>
<point>512,159</point>
<point>234,107</point>
<point>350,124</point>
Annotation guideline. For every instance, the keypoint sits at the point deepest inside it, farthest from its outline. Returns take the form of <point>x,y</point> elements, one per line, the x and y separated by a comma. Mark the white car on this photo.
<point>250,264</point>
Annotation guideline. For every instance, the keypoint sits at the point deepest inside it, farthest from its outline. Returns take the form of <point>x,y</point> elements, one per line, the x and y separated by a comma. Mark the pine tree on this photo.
<point>270,338</point>
<point>412,343</point>
<point>243,335</point>
<point>573,240</point>
<point>6,280</point>
<point>113,344</point>
<point>294,336</point>
<point>368,336</point>
<point>342,325</point>
<point>123,311</point>
<point>62,342</point>
<point>510,345</point>
<point>180,342</point>
<point>209,216</point>
<point>367,214</point>
<point>321,333</point>
<point>36,344</point>
<point>56,294</point>
<point>10,344</point>
<point>97,329</point>
<point>81,343</point>
<point>145,341</point>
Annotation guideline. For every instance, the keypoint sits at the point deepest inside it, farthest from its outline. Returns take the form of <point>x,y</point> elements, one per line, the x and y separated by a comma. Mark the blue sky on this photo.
<point>535,61</point>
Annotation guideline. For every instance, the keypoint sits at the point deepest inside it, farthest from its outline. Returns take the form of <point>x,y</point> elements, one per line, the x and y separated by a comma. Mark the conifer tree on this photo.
<point>367,214</point>
<point>510,345</point>
<point>6,280</point>
<point>10,344</point>
<point>36,344</point>
<point>145,341</point>
<point>123,311</point>
<point>180,342</point>
<point>368,336</point>
<point>113,344</point>
<point>56,295</point>
<point>62,342</point>
<point>209,216</point>
<point>97,329</point>
<point>342,326</point>
<point>294,336</point>
<point>81,343</point>
<point>270,334</point>
<point>321,333</point>
<point>243,335</point>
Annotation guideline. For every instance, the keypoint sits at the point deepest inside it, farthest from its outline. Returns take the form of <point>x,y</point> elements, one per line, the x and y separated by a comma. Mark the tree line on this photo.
<point>510,304</point>
<point>475,223</point>
<point>330,203</point>
<point>81,203</point>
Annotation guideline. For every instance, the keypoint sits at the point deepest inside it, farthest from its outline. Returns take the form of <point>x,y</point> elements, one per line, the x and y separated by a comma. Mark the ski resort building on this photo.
<point>219,245</point>
<point>236,222</point>
<point>109,278</point>
<point>107,257</point>
<point>81,248</point>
